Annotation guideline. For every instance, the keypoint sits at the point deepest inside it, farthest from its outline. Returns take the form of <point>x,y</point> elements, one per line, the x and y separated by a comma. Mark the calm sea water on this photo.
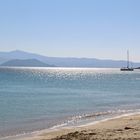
<point>37,98</point>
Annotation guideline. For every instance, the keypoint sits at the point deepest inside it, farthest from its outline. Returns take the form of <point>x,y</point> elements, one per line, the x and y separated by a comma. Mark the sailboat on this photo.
<point>127,68</point>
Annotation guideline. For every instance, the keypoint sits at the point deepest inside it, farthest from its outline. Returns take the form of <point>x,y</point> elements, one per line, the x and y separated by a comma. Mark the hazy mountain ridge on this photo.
<point>26,63</point>
<point>63,61</point>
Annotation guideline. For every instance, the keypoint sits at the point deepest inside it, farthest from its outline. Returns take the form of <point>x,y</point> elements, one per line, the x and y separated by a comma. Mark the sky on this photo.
<point>103,29</point>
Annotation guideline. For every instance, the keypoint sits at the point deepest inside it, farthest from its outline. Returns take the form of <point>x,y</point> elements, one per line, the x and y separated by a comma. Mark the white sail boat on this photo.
<point>128,65</point>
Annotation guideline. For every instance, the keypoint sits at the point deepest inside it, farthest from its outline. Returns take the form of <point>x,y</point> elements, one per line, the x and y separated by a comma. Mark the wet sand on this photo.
<point>121,128</point>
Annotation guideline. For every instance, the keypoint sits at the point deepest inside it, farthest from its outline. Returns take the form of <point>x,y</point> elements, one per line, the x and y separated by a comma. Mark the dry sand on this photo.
<point>124,128</point>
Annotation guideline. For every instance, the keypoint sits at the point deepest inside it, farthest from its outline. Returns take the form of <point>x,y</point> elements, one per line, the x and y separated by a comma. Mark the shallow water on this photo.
<point>38,98</point>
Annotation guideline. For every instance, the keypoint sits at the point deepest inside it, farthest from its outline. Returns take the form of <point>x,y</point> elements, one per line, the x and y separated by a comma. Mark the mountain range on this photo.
<point>22,58</point>
<point>25,63</point>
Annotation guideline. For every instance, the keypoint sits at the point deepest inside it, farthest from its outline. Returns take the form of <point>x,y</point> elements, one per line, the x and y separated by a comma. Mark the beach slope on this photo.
<point>121,128</point>
<point>124,128</point>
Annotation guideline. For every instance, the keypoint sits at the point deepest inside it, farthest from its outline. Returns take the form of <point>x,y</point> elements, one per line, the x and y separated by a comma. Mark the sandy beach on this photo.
<point>121,128</point>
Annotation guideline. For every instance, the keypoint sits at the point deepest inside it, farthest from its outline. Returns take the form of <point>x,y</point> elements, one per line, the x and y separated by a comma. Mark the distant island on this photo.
<point>26,63</point>
<point>22,58</point>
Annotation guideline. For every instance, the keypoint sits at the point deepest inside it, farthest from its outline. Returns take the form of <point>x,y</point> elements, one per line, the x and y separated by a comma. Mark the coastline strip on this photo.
<point>56,132</point>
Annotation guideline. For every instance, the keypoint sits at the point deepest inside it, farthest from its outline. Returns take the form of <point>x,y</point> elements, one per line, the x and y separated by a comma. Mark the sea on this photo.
<point>34,99</point>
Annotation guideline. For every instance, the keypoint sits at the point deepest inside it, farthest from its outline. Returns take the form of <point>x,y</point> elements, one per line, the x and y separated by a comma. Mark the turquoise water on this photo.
<point>37,98</point>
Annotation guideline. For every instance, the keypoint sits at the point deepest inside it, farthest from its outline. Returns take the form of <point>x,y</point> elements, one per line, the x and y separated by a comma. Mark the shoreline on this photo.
<point>52,133</point>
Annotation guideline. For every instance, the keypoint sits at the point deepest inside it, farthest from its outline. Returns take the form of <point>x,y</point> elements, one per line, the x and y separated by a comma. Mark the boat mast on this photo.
<point>127,58</point>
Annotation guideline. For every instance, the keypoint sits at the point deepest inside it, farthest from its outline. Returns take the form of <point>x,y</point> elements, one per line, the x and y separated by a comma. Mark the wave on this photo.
<point>93,117</point>
<point>79,121</point>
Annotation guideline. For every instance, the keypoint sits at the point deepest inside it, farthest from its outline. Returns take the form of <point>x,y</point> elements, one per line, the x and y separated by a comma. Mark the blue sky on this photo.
<point>71,28</point>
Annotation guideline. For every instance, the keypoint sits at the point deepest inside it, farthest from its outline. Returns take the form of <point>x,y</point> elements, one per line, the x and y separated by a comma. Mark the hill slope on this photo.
<point>25,63</point>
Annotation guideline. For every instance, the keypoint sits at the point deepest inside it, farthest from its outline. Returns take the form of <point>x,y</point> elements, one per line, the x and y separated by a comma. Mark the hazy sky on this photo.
<point>75,28</point>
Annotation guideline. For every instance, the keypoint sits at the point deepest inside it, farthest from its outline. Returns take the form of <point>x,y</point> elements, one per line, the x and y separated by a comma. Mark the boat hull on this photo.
<point>127,69</point>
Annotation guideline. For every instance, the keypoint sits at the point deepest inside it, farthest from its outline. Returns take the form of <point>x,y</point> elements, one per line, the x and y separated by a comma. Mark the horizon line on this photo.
<point>72,57</point>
